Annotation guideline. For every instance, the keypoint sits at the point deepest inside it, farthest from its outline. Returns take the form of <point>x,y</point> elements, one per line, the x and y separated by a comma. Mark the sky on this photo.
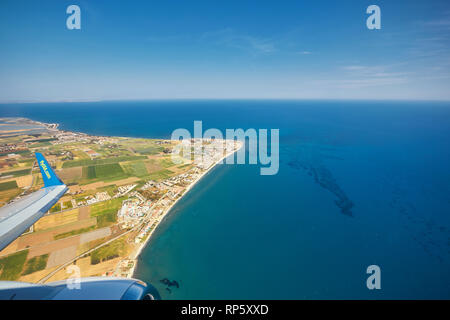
<point>224,50</point>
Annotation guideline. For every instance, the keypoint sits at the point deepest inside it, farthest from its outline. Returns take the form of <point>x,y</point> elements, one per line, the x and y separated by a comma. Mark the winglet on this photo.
<point>49,177</point>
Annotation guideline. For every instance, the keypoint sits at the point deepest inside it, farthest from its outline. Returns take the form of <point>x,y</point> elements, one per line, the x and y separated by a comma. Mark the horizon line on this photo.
<point>218,99</point>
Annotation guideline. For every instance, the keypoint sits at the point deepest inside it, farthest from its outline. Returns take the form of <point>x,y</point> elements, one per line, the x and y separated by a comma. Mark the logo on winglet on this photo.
<point>44,167</point>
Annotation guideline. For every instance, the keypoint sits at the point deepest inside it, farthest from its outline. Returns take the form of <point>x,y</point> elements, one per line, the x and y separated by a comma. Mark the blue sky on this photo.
<point>224,49</point>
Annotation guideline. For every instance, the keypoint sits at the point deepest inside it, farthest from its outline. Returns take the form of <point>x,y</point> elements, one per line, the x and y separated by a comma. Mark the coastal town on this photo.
<point>120,189</point>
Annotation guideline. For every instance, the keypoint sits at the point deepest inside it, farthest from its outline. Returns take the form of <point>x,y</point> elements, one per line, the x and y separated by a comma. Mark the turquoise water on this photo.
<point>360,183</point>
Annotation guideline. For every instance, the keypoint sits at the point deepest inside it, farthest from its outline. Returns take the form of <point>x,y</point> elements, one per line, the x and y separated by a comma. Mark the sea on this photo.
<point>360,183</point>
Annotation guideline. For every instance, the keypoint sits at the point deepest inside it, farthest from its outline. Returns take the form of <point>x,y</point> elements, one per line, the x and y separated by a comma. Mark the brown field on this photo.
<point>7,195</point>
<point>49,247</point>
<point>153,166</point>
<point>70,174</point>
<point>87,270</point>
<point>11,248</point>
<point>24,181</point>
<point>95,235</point>
<point>61,256</point>
<point>33,239</point>
<point>65,198</point>
<point>36,276</point>
<point>57,219</point>
<point>47,236</point>
<point>84,213</point>
<point>101,184</point>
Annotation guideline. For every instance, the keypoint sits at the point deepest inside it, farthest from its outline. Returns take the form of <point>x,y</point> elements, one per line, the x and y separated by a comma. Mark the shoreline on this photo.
<point>132,257</point>
<point>144,244</point>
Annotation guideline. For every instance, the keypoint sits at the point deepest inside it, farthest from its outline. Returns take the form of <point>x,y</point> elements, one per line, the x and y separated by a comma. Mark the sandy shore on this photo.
<point>164,215</point>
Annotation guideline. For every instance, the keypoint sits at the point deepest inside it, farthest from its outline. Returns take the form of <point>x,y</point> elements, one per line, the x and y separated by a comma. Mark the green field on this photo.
<point>108,170</point>
<point>89,172</point>
<point>150,150</point>
<point>21,152</point>
<point>56,207</point>
<point>40,144</point>
<point>27,161</point>
<point>11,266</point>
<point>17,173</point>
<point>135,169</point>
<point>160,175</point>
<point>107,219</point>
<point>105,207</point>
<point>35,264</point>
<point>73,233</point>
<point>106,211</point>
<point>89,162</point>
<point>108,252</point>
<point>68,205</point>
<point>8,185</point>
<point>44,140</point>
<point>165,163</point>
<point>104,171</point>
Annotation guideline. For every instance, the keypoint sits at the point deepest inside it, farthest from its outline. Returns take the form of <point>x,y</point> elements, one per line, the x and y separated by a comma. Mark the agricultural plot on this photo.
<point>59,219</point>
<point>160,175</point>
<point>105,172</point>
<point>11,266</point>
<point>17,173</point>
<point>89,162</point>
<point>106,207</point>
<point>56,208</point>
<point>137,169</point>
<point>4,186</point>
<point>70,175</point>
<point>73,232</point>
<point>150,150</point>
<point>35,264</point>
<point>7,195</point>
<point>108,252</point>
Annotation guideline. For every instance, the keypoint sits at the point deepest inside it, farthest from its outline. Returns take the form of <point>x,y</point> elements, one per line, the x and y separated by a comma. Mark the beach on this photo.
<point>168,210</point>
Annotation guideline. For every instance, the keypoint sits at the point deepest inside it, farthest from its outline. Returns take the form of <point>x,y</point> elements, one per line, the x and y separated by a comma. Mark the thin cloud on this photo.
<point>361,83</point>
<point>228,37</point>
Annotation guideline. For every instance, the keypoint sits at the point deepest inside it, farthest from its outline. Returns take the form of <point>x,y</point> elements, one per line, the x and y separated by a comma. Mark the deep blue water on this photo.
<point>241,235</point>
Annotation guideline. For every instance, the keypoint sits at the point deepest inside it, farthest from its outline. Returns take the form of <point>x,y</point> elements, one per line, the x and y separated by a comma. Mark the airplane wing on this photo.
<point>18,216</point>
<point>92,288</point>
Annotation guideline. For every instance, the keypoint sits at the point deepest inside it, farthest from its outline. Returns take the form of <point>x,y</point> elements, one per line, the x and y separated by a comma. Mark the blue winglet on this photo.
<point>50,178</point>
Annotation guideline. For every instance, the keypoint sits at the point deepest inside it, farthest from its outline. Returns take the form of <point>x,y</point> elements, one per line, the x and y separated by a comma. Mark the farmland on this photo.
<point>105,178</point>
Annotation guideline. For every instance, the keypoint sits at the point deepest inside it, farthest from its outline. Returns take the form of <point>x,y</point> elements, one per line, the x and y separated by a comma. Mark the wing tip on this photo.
<point>48,175</point>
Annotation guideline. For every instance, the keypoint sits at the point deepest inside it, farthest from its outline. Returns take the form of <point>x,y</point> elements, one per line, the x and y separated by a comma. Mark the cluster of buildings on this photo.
<point>206,152</point>
<point>161,142</point>
<point>123,190</point>
<point>68,137</point>
<point>132,212</point>
<point>91,153</point>
<point>141,236</point>
<point>11,147</point>
<point>99,196</point>
<point>104,196</point>
<point>123,269</point>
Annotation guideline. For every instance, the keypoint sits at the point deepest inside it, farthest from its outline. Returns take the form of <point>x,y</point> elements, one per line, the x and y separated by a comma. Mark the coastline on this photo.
<point>159,209</point>
<point>169,209</point>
